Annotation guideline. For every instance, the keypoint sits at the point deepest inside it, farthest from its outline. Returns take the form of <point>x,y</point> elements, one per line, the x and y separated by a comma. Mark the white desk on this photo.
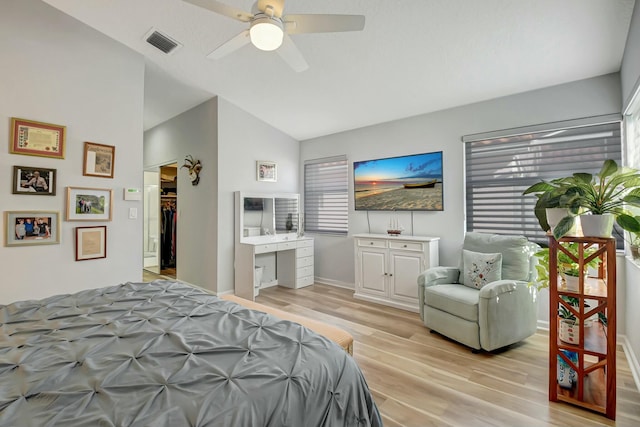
<point>294,262</point>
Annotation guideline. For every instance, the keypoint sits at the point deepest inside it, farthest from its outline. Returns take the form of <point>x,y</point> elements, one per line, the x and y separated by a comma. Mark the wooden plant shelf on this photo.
<point>592,357</point>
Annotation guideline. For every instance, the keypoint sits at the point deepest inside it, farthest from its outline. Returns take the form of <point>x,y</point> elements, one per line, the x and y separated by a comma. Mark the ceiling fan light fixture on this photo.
<point>266,32</point>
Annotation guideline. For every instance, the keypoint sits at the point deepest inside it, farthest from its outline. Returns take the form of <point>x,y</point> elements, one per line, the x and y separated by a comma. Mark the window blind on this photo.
<point>499,169</point>
<point>326,195</point>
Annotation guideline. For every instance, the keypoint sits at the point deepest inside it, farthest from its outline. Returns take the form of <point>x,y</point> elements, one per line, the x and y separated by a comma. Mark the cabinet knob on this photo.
<point>371,243</point>
<point>390,275</point>
<point>404,246</point>
<point>385,274</point>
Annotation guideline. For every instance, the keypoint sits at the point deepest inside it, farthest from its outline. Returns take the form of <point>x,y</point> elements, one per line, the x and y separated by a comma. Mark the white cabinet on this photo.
<point>387,268</point>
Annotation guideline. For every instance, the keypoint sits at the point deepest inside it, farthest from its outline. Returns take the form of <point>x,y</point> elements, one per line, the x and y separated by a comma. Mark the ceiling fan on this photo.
<point>269,28</point>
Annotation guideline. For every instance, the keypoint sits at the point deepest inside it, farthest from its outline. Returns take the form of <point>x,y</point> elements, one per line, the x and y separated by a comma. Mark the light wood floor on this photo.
<point>423,379</point>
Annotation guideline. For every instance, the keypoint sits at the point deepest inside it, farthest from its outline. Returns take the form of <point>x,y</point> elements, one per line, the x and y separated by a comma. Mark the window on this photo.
<point>499,168</point>
<point>326,195</point>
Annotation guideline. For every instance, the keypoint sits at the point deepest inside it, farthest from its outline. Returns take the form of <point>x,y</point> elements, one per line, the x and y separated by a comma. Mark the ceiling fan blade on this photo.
<point>298,24</point>
<point>222,9</point>
<point>232,45</point>
<point>277,5</point>
<point>291,55</point>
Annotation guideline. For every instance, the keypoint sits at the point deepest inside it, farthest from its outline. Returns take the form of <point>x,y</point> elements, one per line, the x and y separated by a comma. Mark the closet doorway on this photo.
<point>160,220</point>
<point>168,219</point>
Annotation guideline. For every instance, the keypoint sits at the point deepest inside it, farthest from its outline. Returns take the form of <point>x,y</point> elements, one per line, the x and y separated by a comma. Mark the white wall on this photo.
<point>243,140</point>
<point>630,68</point>
<point>228,141</point>
<point>57,70</point>
<point>195,133</point>
<point>442,130</point>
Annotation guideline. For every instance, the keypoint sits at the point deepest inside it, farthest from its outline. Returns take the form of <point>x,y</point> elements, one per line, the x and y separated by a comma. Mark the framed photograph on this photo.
<point>89,204</point>
<point>27,228</point>
<point>266,171</point>
<point>99,160</point>
<point>37,138</point>
<point>91,242</point>
<point>35,181</point>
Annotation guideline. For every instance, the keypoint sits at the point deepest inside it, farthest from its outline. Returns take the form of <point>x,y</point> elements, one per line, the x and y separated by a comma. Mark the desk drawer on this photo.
<point>406,246</point>
<point>372,243</point>
<point>284,246</point>
<point>304,261</point>
<point>305,243</point>
<point>304,271</point>
<point>303,252</point>
<point>304,281</point>
<point>262,249</point>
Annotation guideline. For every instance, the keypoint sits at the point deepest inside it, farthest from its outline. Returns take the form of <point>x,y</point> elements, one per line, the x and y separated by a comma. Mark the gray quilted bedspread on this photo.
<point>168,354</point>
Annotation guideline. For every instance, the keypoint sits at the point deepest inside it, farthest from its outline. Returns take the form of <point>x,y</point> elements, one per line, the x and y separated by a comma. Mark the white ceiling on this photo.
<point>413,57</point>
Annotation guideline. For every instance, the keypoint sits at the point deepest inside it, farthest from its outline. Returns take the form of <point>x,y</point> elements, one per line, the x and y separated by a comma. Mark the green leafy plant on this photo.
<point>565,264</point>
<point>604,193</point>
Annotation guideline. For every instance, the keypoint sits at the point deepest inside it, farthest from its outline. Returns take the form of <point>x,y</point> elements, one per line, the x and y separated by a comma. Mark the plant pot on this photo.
<point>554,215</point>
<point>635,252</point>
<point>569,331</point>
<point>597,225</point>
<point>572,283</point>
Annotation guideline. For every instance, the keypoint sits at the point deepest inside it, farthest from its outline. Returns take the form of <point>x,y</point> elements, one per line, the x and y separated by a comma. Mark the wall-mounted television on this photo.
<point>404,183</point>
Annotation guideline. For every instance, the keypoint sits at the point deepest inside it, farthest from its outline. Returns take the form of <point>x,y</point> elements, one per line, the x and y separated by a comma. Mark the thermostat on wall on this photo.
<point>132,194</point>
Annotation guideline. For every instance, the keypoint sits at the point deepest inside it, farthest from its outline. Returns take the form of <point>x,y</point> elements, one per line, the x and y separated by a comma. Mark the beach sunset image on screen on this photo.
<point>412,182</point>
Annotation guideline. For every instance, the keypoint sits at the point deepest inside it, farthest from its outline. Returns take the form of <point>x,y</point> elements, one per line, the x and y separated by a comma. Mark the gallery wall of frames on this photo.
<point>42,227</point>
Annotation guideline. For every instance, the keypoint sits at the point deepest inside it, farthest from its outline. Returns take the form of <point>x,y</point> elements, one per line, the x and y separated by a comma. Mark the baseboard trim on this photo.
<point>631,358</point>
<point>336,283</point>
<point>543,325</point>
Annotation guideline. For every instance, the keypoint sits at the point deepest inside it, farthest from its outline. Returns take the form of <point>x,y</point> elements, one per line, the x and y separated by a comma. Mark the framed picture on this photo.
<point>266,171</point>
<point>26,228</point>
<point>37,138</point>
<point>91,242</point>
<point>89,204</point>
<point>35,181</point>
<point>99,160</point>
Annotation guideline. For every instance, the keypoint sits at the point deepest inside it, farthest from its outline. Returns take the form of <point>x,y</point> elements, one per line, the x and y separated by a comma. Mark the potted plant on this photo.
<point>569,329</point>
<point>568,268</point>
<point>601,196</point>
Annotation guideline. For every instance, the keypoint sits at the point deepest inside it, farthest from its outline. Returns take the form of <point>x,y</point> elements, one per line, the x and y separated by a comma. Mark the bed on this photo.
<point>168,354</point>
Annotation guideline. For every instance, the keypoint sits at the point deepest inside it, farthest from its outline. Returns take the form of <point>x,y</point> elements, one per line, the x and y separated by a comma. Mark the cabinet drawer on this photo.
<point>283,246</point>
<point>261,249</point>
<point>407,246</point>
<point>305,243</point>
<point>304,261</point>
<point>304,271</point>
<point>304,281</point>
<point>303,252</point>
<point>372,243</point>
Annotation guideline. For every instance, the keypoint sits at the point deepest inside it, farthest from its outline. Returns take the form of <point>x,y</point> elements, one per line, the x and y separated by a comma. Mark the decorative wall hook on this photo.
<point>194,167</point>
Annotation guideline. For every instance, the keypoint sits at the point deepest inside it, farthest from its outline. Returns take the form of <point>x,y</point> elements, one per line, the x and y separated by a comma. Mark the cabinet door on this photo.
<point>405,267</point>
<point>372,272</point>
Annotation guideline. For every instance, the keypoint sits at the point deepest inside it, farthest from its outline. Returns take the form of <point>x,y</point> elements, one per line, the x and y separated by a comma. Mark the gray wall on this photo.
<point>442,130</point>
<point>630,69</point>
<point>57,70</point>
<point>195,133</point>
<point>228,141</point>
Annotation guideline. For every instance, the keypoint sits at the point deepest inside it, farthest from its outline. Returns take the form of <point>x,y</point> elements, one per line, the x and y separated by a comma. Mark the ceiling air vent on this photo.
<point>162,41</point>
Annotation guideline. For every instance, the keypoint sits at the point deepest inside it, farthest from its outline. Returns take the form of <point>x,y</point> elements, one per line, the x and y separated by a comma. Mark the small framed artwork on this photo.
<point>37,138</point>
<point>27,228</point>
<point>91,242</point>
<point>89,204</point>
<point>266,171</point>
<point>35,181</point>
<point>99,160</point>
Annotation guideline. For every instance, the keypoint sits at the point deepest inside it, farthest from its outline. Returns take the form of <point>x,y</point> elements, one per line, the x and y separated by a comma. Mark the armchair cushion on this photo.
<point>515,250</point>
<point>480,268</point>
<point>459,300</point>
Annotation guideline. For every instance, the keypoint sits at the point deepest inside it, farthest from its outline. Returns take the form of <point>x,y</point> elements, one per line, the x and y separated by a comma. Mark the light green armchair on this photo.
<point>485,303</point>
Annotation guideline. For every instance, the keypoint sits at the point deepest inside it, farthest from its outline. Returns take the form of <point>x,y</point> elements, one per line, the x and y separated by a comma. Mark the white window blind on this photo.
<point>499,169</point>
<point>326,195</point>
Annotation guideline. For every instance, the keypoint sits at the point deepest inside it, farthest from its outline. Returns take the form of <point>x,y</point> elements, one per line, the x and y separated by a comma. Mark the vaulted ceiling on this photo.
<point>413,56</point>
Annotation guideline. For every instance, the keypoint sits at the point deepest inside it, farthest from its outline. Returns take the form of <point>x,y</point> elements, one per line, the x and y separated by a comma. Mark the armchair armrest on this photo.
<point>435,276</point>
<point>507,313</point>
<point>438,276</point>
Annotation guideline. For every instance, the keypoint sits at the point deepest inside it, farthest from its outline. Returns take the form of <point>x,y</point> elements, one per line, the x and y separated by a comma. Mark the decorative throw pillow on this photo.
<point>480,268</point>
